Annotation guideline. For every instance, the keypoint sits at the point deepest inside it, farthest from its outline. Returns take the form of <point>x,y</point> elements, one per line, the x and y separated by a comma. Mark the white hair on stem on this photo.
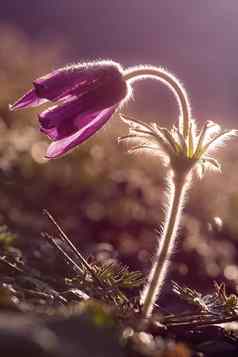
<point>177,188</point>
<point>136,73</point>
<point>186,151</point>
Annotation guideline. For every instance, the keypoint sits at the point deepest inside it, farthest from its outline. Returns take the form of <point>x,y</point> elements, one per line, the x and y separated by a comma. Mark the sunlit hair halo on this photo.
<point>87,95</point>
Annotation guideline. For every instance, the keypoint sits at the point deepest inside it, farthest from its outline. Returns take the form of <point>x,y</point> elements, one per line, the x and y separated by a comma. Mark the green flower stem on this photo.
<point>136,73</point>
<point>178,186</point>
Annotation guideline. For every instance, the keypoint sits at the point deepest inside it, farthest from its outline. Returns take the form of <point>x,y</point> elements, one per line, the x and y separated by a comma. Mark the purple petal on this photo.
<point>65,128</point>
<point>30,99</point>
<point>61,121</point>
<point>63,82</point>
<point>54,116</point>
<point>102,96</point>
<point>83,78</point>
<point>60,147</point>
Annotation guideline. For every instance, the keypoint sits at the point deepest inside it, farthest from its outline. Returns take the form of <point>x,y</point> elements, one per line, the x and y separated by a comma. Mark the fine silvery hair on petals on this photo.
<point>79,78</point>
<point>73,81</point>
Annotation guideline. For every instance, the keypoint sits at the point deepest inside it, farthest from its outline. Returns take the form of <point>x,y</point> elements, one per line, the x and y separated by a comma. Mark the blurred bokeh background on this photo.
<point>109,202</point>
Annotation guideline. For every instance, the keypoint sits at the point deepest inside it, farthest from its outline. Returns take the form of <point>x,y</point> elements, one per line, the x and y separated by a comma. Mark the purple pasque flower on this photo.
<point>86,96</point>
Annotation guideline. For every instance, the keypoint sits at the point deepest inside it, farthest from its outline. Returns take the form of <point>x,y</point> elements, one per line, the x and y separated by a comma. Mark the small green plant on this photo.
<point>6,237</point>
<point>109,282</point>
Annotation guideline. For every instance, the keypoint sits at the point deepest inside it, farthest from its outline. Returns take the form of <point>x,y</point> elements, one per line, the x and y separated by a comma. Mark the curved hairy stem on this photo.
<point>177,191</point>
<point>136,73</point>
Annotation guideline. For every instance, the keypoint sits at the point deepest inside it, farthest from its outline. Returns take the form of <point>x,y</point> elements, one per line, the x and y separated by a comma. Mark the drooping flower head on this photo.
<point>85,96</point>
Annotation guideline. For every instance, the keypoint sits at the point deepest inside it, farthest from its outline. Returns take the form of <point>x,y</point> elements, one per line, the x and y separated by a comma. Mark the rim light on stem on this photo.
<point>187,152</point>
<point>141,72</point>
<point>178,187</point>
